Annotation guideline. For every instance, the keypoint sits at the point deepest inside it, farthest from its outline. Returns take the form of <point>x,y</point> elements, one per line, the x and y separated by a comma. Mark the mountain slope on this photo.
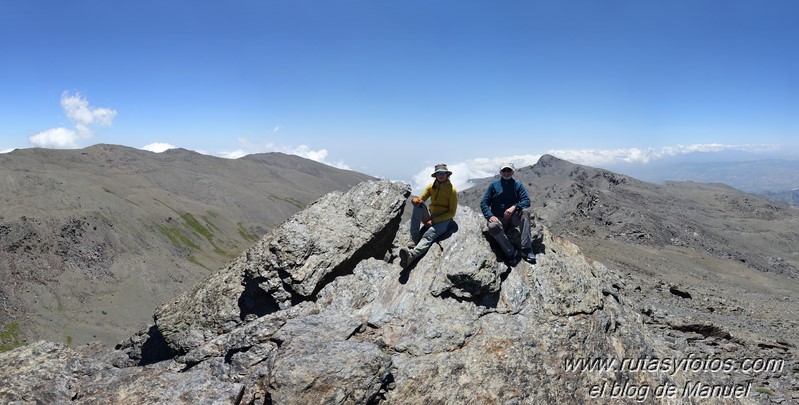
<point>598,205</point>
<point>92,240</point>
<point>698,260</point>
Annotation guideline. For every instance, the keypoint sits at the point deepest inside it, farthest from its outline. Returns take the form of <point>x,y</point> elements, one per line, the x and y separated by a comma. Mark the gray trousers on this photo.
<point>423,241</point>
<point>500,230</point>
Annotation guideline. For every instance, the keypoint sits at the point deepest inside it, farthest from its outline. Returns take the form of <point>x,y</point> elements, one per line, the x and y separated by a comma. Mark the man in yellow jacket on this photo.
<point>443,204</point>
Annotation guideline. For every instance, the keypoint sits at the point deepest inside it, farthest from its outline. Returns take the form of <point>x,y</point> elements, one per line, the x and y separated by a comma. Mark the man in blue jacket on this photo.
<point>504,205</point>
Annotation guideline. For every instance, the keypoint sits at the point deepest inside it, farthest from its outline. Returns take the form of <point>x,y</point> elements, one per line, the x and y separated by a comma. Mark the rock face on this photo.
<point>319,311</point>
<point>288,266</point>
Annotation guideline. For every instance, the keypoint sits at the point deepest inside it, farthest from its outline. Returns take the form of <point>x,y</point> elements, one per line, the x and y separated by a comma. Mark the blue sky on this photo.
<point>390,88</point>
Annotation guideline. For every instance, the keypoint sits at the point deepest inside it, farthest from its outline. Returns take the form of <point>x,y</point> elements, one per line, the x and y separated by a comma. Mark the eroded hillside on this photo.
<point>92,240</point>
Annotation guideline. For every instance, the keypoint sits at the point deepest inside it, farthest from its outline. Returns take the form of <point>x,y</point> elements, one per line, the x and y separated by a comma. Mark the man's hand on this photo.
<point>493,219</point>
<point>416,201</point>
<point>429,222</point>
<point>510,211</point>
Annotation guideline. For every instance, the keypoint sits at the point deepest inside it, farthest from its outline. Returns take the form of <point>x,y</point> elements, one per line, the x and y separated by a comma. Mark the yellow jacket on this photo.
<point>443,200</point>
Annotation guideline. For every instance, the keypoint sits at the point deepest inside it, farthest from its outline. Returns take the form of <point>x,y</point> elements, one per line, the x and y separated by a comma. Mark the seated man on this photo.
<point>443,204</point>
<point>504,205</point>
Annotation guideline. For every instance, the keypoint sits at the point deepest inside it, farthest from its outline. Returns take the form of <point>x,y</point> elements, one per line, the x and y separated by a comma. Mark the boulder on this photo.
<point>287,266</point>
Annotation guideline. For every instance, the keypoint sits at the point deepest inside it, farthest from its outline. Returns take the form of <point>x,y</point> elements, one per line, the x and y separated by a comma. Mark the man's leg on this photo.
<point>419,215</point>
<point>522,220</point>
<point>429,237</point>
<point>409,255</point>
<point>497,230</point>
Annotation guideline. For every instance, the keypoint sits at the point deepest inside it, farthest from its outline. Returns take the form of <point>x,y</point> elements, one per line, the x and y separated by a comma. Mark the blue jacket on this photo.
<point>501,194</point>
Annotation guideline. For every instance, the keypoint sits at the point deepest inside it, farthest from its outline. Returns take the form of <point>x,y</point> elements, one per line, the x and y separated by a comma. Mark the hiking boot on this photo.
<point>514,259</point>
<point>405,257</point>
<point>528,256</point>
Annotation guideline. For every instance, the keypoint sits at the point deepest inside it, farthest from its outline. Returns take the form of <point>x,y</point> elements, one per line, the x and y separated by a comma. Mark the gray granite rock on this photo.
<point>287,266</point>
<point>320,312</point>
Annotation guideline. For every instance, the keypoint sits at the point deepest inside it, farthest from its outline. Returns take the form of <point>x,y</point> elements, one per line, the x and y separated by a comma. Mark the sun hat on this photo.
<point>507,165</point>
<point>441,168</point>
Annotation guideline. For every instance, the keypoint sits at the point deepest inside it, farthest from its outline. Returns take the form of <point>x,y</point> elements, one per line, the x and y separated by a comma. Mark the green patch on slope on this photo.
<point>177,238</point>
<point>9,337</point>
<point>185,237</point>
<point>197,227</point>
<point>210,224</point>
<point>204,231</point>
<point>194,260</point>
<point>289,200</point>
<point>247,235</point>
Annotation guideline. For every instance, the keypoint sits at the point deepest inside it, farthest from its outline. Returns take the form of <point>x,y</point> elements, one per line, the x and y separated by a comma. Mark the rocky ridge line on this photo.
<point>319,311</point>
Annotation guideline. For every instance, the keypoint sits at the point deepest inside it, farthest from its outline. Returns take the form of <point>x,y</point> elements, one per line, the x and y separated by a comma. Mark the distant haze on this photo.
<point>754,176</point>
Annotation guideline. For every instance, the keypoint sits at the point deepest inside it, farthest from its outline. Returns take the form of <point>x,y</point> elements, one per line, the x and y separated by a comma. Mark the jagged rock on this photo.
<point>51,373</point>
<point>331,323</point>
<point>464,264</point>
<point>314,369</point>
<point>287,266</point>
<point>571,286</point>
<point>44,372</point>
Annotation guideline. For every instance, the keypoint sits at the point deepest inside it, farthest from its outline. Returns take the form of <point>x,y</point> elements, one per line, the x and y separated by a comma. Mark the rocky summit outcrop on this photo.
<point>320,312</point>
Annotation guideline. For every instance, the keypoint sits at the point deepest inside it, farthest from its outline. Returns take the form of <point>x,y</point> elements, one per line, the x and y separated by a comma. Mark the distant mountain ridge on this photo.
<point>788,197</point>
<point>589,202</point>
<point>91,240</point>
<point>764,176</point>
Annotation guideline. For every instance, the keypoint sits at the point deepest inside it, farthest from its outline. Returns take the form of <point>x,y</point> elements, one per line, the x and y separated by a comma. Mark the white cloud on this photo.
<point>315,155</point>
<point>83,131</point>
<point>464,172</point>
<point>635,155</point>
<point>77,109</point>
<point>57,138</point>
<point>158,147</point>
<point>249,147</point>
<point>233,155</point>
<point>306,152</point>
